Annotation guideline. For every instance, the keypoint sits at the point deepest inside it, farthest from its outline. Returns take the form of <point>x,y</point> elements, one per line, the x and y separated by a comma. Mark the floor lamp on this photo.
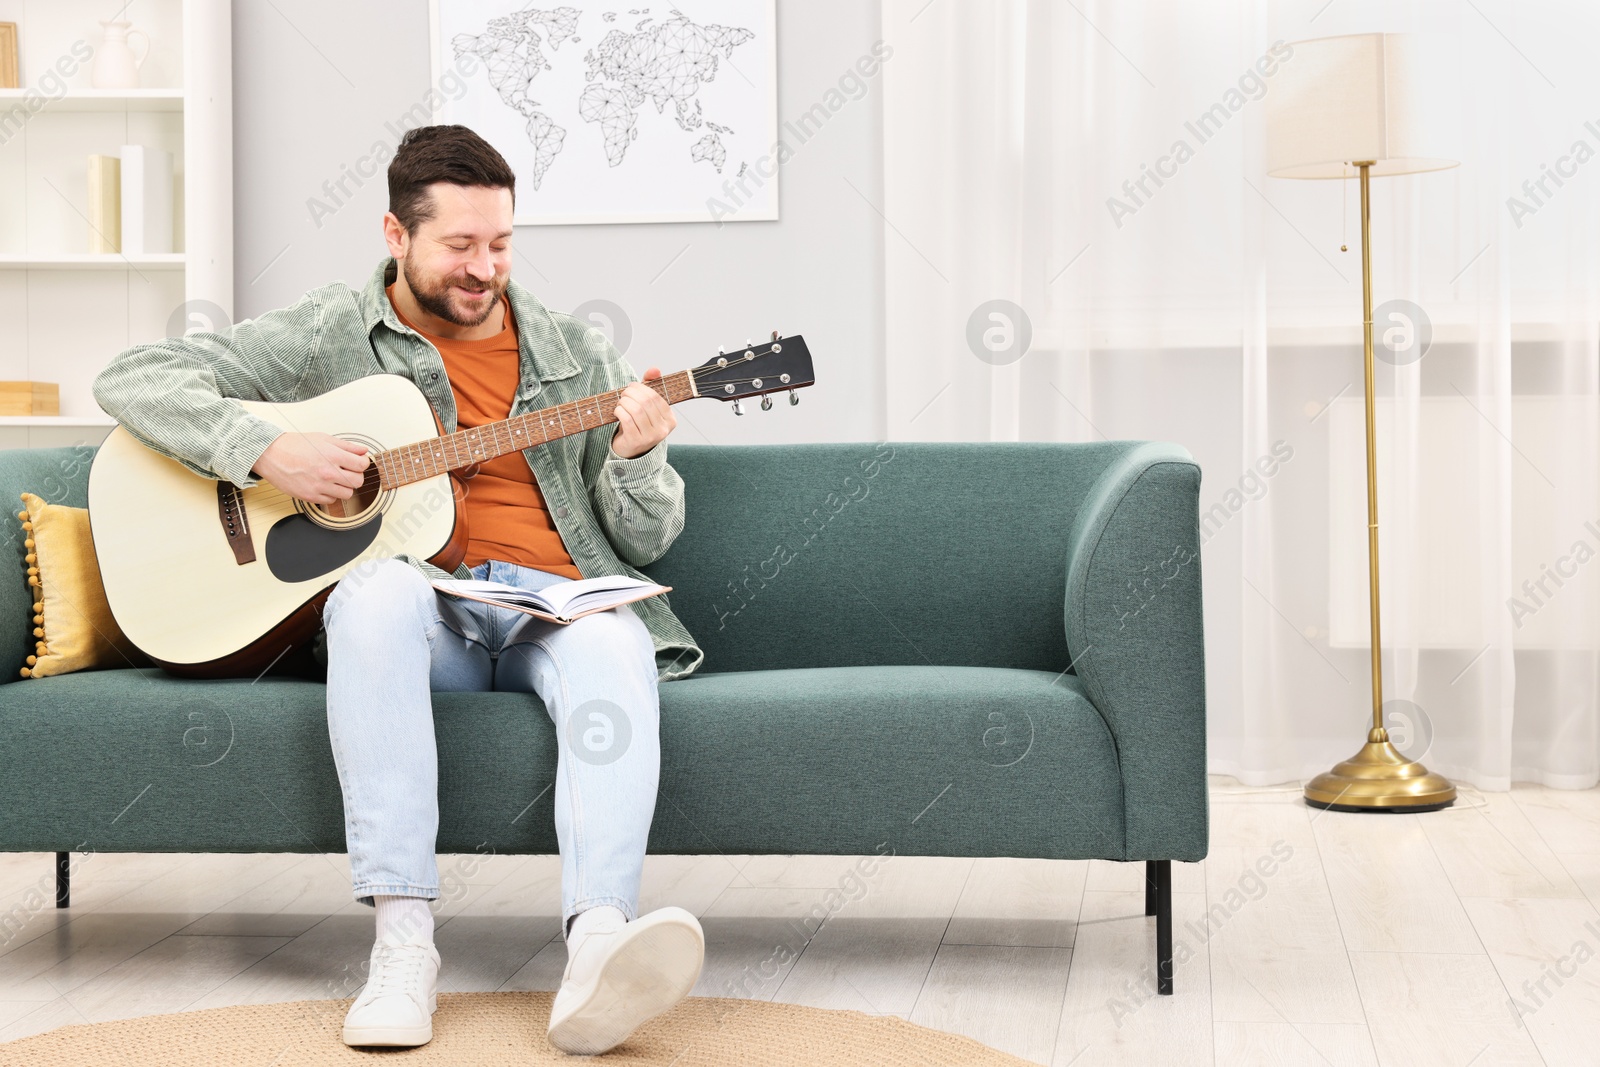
<point>1341,107</point>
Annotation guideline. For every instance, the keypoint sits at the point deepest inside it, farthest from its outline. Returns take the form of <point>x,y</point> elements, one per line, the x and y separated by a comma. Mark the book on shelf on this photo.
<point>563,603</point>
<point>105,204</point>
<point>146,200</point>
<point>10,68</point>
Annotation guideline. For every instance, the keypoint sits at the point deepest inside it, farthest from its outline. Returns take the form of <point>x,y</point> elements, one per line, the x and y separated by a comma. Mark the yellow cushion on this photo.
<point>71,618</point>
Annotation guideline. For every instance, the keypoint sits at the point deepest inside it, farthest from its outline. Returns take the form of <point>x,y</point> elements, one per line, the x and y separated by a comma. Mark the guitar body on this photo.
<point>211,580</point>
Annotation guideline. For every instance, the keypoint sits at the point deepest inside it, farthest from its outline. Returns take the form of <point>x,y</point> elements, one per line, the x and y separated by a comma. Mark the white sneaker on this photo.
<point>624,975</point>
<point>396,1005</point>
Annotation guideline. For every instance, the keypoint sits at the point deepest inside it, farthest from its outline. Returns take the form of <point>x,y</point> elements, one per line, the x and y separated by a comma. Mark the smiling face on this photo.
<point>457,262</point>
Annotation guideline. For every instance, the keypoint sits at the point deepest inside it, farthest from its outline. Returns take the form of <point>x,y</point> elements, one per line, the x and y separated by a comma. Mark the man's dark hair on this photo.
<point>451,154</point>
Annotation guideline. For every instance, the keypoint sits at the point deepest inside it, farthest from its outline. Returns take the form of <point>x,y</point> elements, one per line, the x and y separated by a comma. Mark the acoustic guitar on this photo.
<point>259,563</point>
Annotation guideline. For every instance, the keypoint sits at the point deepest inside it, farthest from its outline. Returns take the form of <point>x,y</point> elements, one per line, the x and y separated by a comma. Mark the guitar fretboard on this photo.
<point>428,459</point>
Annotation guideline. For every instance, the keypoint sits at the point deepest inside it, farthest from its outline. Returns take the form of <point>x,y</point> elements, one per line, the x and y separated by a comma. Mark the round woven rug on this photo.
<point>486,1029</point>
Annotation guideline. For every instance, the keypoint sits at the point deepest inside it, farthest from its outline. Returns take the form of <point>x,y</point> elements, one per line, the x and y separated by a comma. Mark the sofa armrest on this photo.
<point>1135,631</point>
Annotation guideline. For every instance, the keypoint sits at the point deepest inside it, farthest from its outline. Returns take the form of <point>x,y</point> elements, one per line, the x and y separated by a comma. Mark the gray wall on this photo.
<point>317,84</point>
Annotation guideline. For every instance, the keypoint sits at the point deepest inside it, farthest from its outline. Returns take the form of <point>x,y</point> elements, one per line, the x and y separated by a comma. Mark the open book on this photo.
<point>561,603</point>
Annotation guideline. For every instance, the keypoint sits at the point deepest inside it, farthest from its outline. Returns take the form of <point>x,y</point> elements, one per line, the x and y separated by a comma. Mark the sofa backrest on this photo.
<point>803,555</point>
<point>870,554</point>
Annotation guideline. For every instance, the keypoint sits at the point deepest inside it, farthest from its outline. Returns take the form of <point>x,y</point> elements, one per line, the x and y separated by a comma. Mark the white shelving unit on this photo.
<point>94,260</point>
<point>64,312</point>
<point>102,100</point>
<point>56,420</point>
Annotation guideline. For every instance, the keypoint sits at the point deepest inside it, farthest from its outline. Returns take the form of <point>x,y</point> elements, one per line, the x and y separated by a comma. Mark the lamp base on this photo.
<point>1379,778</point>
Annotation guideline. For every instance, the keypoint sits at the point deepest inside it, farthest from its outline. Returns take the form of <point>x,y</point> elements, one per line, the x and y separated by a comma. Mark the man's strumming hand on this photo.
<point>316,467</point>
<point>644,418</point>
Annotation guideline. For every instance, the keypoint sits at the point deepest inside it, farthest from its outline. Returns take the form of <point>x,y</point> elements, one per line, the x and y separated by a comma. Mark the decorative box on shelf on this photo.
<point>30,398</point>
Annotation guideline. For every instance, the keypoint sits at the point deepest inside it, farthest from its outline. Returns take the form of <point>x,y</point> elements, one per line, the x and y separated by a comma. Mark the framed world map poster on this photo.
<point>611,113</point>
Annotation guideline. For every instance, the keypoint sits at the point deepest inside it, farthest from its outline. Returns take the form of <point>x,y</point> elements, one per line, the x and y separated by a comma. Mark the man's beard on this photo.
<point>435,298</point>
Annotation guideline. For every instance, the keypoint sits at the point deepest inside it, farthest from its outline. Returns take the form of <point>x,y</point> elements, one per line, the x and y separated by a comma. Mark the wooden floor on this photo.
<point>1307,937</point>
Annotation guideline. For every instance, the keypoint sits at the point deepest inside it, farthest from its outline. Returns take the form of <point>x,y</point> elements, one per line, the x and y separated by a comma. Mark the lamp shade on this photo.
<point>1337,101</point>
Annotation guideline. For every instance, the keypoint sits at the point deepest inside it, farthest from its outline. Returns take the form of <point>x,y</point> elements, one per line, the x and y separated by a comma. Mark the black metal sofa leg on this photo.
<point>63,880</point>
<point>1158,902</point>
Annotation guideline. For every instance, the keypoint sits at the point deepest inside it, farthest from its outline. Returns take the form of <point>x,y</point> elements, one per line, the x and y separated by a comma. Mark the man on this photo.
<point>443,312</point>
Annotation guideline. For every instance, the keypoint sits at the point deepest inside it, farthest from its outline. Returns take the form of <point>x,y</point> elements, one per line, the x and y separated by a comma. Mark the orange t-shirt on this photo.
<point>506,516</point>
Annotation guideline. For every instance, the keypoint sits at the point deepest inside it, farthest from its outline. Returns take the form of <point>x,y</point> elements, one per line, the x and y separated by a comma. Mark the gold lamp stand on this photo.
<point>1378,777</point>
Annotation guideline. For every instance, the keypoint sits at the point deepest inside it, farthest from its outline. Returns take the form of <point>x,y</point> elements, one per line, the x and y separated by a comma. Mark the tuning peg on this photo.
<point>738,407</point>
<point>793,400</point>
<point>774,335</point>
<point>766,403</point>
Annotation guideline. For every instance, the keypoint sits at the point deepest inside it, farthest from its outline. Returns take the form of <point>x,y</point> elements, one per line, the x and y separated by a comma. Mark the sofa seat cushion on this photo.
<point>924,760</point>
<point>951,761</point>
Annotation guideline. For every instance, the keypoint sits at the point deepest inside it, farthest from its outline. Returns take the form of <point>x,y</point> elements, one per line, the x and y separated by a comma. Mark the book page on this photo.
<point>561,599</point>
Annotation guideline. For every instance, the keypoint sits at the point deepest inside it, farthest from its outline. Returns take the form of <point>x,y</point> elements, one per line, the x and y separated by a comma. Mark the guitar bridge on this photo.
<point>235,524</point>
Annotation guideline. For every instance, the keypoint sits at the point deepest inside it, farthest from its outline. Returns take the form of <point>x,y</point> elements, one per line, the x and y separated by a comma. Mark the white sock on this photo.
<point>585,922</point>
<point>405,920</point>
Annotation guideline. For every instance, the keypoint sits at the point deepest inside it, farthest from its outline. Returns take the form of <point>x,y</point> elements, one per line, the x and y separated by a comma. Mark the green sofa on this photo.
<point>939,649</point>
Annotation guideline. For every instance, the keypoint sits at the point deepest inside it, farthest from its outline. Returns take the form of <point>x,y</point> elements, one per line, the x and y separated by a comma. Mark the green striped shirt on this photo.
<point>614,515</point>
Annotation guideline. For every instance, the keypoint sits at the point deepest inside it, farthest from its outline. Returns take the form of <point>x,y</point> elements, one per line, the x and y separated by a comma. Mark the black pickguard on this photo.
<point>299,549</point>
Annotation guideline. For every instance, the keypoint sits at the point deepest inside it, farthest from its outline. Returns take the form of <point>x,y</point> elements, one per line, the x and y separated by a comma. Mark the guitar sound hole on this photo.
<point>359,503</point>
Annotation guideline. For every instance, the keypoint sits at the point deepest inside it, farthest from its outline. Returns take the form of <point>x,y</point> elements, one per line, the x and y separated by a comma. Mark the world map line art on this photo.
<point>663,62</point>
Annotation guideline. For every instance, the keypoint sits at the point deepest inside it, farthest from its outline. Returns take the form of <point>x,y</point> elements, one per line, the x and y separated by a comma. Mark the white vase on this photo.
<point>115,65</point>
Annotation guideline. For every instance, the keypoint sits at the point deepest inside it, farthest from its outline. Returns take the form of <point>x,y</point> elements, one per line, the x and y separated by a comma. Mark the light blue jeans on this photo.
<point>392,639</point>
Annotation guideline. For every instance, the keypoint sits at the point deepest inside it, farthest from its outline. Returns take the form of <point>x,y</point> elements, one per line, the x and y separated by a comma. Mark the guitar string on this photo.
<point>266,494</point>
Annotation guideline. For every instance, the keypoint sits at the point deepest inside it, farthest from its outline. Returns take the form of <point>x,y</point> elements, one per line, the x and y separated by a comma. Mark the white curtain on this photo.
<point>1098,168</point>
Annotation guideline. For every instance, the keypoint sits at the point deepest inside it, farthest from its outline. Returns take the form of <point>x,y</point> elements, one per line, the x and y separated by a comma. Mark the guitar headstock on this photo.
<point>782,363</point>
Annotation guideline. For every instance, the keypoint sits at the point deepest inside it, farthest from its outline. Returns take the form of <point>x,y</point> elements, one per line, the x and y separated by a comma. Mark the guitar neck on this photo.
<point>428,459</point>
